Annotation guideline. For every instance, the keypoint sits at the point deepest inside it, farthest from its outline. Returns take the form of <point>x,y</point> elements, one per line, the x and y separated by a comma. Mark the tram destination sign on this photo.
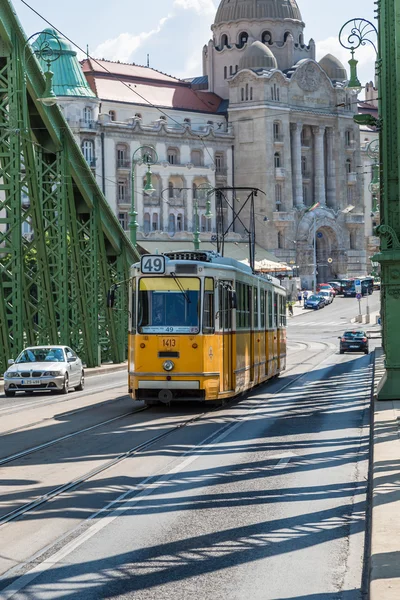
<point>152,264</point>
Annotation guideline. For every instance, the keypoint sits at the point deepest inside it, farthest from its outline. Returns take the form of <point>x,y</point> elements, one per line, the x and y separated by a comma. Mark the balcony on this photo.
<point>87,124</point>
<point>280,173</point>
<point>278,139</point>
<point>151,200</point>
<point>221,171</point>
<point>123,163</point>
<point>351,178</point>
<point>91,162</point>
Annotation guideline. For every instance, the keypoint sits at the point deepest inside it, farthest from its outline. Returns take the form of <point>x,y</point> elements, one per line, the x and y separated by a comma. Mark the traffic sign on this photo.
<point>320,234</point>
<point>358,296</point>
<point>357,284</point>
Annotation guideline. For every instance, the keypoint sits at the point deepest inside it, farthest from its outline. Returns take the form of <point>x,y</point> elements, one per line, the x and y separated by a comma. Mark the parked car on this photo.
<point>336,286</point>
<point>343,284</point>
<point>325,287</point>
<point>354,341</point>
<point>327,295</point>
<point>44,368</point>
<point>368,282</point>
<point>315,302</point>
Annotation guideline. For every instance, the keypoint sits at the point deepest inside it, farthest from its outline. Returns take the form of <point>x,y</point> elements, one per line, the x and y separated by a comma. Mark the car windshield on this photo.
<point>30,355</point>
<point>322,293</point>
<point>313,298</point>
<point>352,335</point>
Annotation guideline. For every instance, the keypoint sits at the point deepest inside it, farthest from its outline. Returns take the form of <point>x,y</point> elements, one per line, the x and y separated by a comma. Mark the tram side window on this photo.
<point>270,311</point>
<point>208,308</point>
<point>283,312</point>
<point>262,309</point>
<point>240,303</point>
<point>133,309</point>
<point>255,308</point>
<point>244,304</point>
<point>275,309</point>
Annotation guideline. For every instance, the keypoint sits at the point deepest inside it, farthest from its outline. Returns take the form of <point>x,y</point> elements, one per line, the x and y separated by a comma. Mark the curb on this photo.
<point>384,581</point>
<point>91,372</point>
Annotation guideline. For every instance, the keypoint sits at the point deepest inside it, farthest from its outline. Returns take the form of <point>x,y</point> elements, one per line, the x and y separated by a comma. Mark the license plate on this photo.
<point>30,382</point>
<point>168,343</point>
<point>354,346</point>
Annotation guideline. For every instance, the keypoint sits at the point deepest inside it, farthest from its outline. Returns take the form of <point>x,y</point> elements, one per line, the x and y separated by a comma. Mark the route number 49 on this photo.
<point>152,264</point>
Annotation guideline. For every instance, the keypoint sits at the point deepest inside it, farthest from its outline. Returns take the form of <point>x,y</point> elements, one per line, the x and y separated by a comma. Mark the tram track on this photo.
<point>20,512</point>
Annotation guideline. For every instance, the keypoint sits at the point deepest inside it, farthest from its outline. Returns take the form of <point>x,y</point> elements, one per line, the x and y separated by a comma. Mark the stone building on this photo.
<point>263,114</point>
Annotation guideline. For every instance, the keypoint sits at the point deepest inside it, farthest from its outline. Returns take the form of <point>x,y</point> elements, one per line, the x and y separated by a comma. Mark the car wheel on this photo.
<point>9,394</point>
<point>65,387</point>
<point>81,385</point>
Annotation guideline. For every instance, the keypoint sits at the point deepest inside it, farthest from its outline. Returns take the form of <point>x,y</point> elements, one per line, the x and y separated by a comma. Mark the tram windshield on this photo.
<point>169,305</point>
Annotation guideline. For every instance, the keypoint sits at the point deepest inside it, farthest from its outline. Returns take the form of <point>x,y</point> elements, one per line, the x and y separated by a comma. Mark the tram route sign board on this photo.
<point>152,264</point>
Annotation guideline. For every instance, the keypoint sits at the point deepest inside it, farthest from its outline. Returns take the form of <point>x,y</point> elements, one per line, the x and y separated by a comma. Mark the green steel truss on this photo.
<point>61,247</point>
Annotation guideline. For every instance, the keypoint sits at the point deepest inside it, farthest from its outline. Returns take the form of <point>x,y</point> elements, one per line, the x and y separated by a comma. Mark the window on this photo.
<point>154,222</point>
<point>301,39</point>
<point>179,223</point>
<point>243,292</point>
<point>122,191</point>
<point>170,190</point>
<point>275,92</point>
<point>278,196</point>
<point>219,162</point>
<point>243,37</point>
<point>138,115</point>
<point>280,240</point>
<point>303,165</point>
<point>277,160</point>
<point>122,160</point>
<point>305,194</point>
<point>285,36</point>
<point>348,165</point>
<point>208,306</point>
<point>247,91</point>
<point>146,223</point>
<point>196,158</point>
<point>194,191</point>
<point>266,37</point>
<point>275,309</point>
<point>173,156</point>
<point>353,240</point>
<point>171,224</point>
<point>231,70</point>
<point>133,305</point>
<point>236,68</point>
<point>277,131</point>
<point>123,220</point>
<point>87,114</point>
<point>349,194</point>
<point>262,309</point>
<point>251,93</point>
<point>242,94</point>
<point>225,72</point>
<point>348,138</point>
<point>224,41</point>
<point>88,152</point>
<point>270,311</point>
<point>113,115</point>
<point>303,137</point>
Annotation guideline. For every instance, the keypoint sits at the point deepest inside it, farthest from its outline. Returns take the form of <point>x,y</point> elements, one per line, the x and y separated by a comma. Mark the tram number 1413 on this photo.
<point>152,264</point>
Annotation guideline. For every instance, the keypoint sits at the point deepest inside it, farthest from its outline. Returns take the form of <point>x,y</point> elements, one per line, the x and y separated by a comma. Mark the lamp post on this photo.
<point>374,187</point>
<point>208,189</point>
<point>46,48</point>
<point>353,34</point>
<point>149,157</point>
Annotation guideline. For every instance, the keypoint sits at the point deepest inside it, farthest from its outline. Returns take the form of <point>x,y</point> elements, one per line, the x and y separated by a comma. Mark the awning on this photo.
<point>269,266</point>
<point>236,250</point>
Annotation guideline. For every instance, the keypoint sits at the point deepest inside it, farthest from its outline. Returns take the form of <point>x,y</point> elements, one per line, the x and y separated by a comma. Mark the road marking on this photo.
<point>283,462</point>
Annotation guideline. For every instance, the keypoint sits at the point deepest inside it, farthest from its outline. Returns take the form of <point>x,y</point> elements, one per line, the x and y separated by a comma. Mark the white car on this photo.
<point>327,296</point>
<point>44,368</point>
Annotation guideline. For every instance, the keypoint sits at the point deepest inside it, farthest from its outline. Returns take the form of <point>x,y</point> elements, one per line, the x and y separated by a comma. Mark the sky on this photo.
<point>173,32</point>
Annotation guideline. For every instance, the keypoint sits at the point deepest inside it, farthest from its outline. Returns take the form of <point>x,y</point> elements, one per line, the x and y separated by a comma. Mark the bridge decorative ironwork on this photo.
<point>61,246</point>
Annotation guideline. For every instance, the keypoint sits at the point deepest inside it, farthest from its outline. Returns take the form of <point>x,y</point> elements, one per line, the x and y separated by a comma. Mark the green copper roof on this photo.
<point>68,79</point>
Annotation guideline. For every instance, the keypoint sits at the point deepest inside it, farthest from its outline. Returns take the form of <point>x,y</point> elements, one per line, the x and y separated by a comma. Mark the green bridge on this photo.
<point>54,279</point>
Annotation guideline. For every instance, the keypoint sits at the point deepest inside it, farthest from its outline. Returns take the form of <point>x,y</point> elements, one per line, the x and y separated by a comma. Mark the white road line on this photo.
<point>283,462</point>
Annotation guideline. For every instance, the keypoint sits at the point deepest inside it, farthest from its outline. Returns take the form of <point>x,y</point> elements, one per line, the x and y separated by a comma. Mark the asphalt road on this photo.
<point>264,499</point>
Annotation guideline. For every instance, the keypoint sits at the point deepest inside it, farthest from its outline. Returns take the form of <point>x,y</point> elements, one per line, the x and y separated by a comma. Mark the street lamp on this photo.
<point>352,35</point>
<point>47,47</point>
<point>149,157</point>
<point>208,190</point>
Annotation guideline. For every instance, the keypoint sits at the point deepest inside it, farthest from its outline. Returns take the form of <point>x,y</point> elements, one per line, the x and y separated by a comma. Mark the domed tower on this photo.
<point>276,24</point>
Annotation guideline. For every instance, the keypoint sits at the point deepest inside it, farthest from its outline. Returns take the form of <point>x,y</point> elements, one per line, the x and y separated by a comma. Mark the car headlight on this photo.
<point>51,373</point>
<point>168,365</point>
<point>11,374</point>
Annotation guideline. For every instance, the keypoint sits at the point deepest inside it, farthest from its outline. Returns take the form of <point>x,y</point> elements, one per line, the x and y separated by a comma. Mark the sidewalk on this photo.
<point>103,370</point>
<point>385,532</point>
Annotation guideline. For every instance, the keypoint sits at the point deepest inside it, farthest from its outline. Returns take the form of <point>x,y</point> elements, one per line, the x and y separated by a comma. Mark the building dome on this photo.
<point>258,56</point>
<point>237,10</point>
<point>333,68</point>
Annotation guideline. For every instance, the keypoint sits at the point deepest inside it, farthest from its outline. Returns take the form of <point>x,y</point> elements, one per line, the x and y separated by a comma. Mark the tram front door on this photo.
<point>225,320</point>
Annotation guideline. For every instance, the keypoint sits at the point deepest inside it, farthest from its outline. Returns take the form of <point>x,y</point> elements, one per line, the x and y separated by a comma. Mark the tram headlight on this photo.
<point>168,365</point>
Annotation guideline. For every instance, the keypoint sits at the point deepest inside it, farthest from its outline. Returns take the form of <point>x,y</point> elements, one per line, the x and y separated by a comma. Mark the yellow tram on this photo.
<point>202,327</point>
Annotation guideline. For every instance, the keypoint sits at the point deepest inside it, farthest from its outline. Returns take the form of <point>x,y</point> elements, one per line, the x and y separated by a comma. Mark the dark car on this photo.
<point>315,302</point>
<point>336,286</point>
<point>368,282</point>
<point>354,341</point>
<point>350,289</point>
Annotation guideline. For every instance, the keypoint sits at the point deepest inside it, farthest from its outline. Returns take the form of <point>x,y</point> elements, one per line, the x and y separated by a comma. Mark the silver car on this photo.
<point>38,368</point>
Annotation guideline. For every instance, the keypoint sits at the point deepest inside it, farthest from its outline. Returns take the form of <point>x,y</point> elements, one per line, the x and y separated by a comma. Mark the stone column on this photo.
<point>296,128</point>
<point>319,165</point>
<point>330,168</point>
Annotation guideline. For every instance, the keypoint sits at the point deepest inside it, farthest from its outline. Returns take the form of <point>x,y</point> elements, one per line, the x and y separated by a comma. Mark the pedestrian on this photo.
<point>305,296</point>
<point>299,297</point>
<point>290,309</point>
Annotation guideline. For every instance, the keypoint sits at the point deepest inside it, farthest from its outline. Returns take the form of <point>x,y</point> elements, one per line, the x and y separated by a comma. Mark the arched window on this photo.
<point>278,195</point>
<point>171,224</point>
<point>196,158</point>
<point>353,240</point>
<point>231,70</point>
<point>243,37</point>
<point>194,191</point>
<point>281,240</point>
<point>179,223</point>
<point>277,131</point>
<point>266,37</point>
<point>113,116</point>
<point>251,93</point>
<point>286,35</point>
<point>348,165</point>
<point>173,156</point>
<point>170,190</point>
<point>87,114</point>
<point>242,94</point>
<point>275,92</point>
<point>348,137</point>
<point>88,152</point>
<point>277,160</point>
<point>154,223</point>
<point>301,39</point>
<point>303,165</point>
<point>236,68</point>
<point>146,223</point>
<point>224,41</point>
<point>225,72</point>
<point>247,91</point>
